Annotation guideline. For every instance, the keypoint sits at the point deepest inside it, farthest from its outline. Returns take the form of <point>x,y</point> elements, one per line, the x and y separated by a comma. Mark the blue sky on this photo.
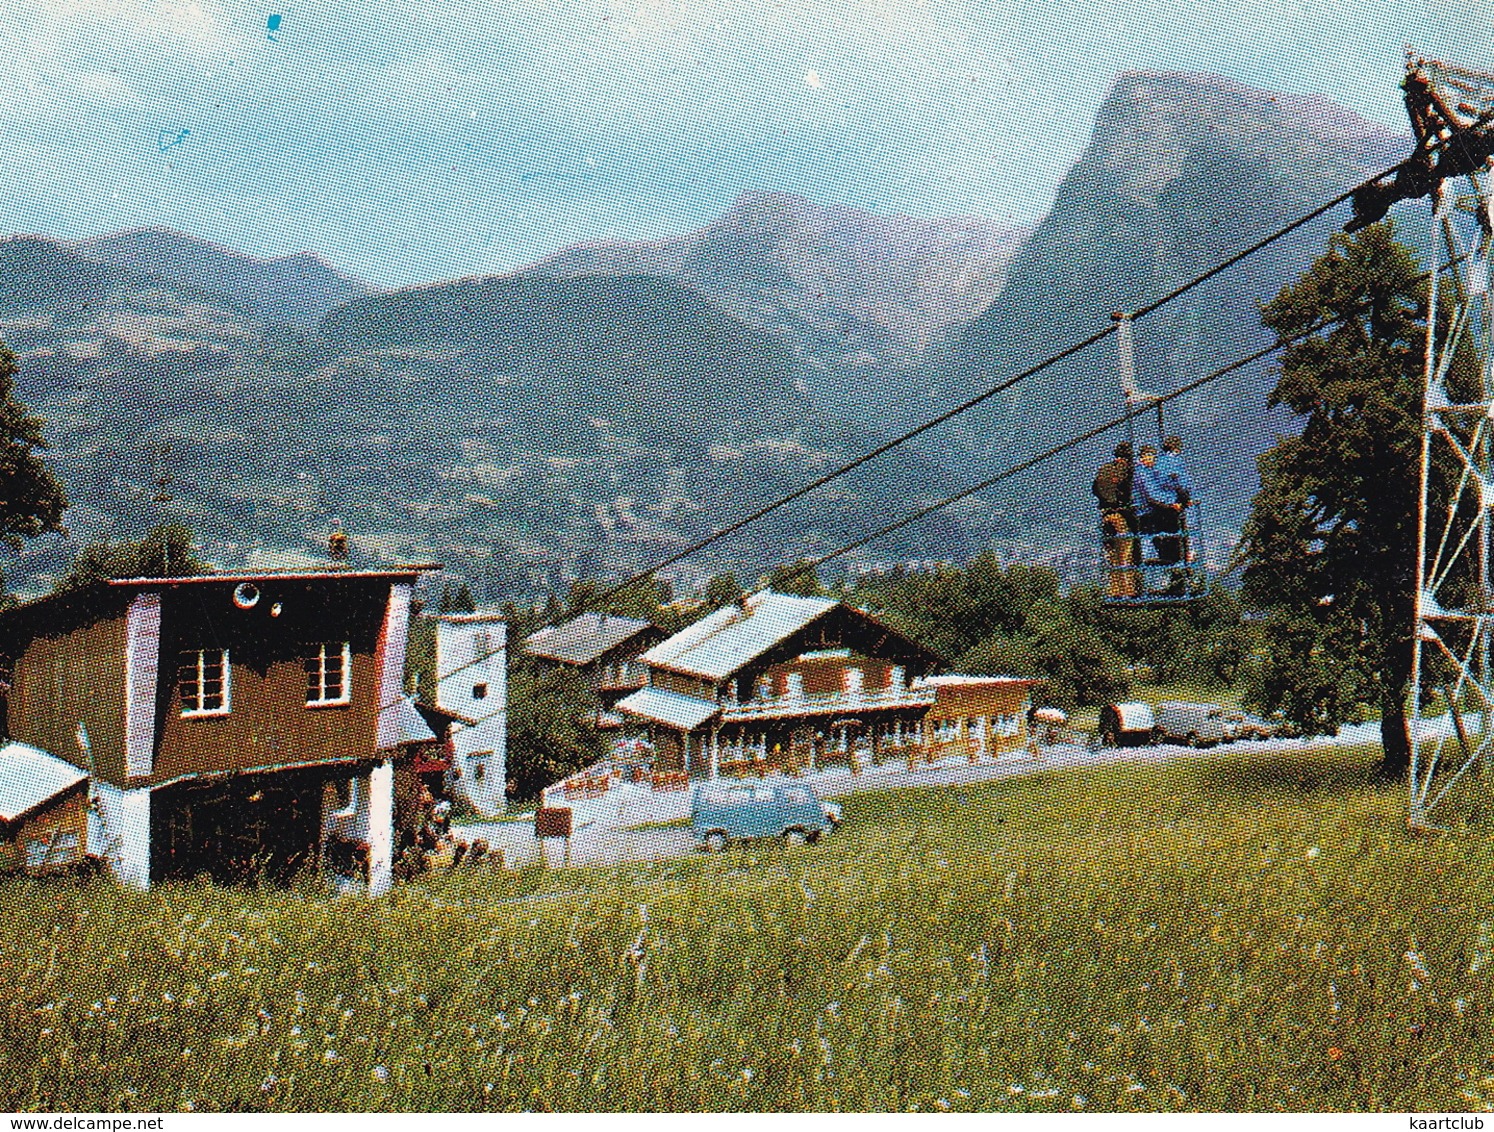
<point>413,140</point>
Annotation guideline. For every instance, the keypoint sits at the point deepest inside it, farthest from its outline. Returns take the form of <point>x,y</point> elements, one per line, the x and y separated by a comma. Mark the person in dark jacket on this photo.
<point>1112,489</point>
<point>1158,512</point>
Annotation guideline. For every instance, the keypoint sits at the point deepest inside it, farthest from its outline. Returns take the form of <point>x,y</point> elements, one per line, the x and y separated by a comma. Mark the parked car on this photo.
<point>1198,725</point>
<point>1241,724</point>
<point>725,812</point>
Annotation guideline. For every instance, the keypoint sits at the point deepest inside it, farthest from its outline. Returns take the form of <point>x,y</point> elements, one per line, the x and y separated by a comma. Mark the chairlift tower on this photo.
<point>1452,699</point>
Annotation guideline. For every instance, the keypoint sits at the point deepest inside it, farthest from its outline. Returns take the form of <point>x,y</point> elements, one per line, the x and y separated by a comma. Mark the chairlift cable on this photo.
<point>1000,387</point>
<point>1048,454</point>
<point>985,395</point>
<point>1018,468</point>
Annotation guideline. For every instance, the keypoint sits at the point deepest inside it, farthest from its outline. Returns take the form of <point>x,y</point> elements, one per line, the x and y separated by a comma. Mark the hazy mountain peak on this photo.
<point>845,287</point>
<point>299,288</point>
<point>1155,126</point>
<point>1182,172</point>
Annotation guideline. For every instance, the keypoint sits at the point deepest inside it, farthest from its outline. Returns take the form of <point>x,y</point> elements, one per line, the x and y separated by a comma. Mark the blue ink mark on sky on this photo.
<point>272,25</point>
<point>168,138</point>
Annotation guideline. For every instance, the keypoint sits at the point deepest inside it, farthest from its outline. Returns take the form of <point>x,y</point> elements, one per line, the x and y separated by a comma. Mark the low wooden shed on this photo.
<point>43,810</point>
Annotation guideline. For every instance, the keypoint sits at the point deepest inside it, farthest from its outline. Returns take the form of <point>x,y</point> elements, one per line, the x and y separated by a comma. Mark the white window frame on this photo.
<point>326,650</point>
<point>198,712</point>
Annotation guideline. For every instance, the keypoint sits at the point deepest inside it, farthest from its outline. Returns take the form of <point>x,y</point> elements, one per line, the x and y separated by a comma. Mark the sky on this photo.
<point>408,141</point>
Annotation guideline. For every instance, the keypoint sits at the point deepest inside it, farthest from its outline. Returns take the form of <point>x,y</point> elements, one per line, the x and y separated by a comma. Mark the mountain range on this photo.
<point>601,408</point>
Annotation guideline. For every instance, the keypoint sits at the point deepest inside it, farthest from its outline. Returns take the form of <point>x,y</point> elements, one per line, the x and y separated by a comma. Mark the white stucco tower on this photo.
<point>472,681</point>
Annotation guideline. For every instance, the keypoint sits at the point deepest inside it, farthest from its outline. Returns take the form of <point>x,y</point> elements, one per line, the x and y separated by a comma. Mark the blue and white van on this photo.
<point>723,812</point>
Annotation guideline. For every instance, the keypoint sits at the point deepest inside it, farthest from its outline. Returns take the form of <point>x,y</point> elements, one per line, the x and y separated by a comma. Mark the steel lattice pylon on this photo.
<point>1452,702</point>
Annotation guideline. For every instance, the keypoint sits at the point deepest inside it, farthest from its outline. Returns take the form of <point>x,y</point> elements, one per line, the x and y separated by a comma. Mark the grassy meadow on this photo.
<point>1244,931</point>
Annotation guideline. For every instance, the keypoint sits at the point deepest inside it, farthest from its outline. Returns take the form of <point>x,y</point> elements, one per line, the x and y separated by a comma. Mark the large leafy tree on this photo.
<point>953,609</point>
<point>550,732</point>
<point>1330,544</point>
<point>1075,664</point>
<point>31,499</point>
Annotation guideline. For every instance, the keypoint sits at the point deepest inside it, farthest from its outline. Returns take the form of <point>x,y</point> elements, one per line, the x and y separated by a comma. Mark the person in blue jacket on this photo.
<point>1170,471</point>
<point>1158,512</point>
<point>1174,478</point>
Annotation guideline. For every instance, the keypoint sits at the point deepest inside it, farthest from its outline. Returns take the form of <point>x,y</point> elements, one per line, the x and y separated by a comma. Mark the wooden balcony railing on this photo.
<point>832,704</point>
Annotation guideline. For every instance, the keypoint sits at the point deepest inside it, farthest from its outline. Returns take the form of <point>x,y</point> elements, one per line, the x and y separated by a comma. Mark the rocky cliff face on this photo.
<point>1183,171</point>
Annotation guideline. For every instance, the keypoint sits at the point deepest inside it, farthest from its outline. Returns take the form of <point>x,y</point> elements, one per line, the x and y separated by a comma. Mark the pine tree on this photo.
<point>31,500</point>
<point>1330,543</point>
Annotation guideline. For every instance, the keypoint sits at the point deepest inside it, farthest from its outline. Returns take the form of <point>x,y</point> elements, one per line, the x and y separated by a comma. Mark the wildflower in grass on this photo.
<point>269,1083</point>
<point>1417,964</point>
<point>1335,1053</point>
<point>1079,1101</point>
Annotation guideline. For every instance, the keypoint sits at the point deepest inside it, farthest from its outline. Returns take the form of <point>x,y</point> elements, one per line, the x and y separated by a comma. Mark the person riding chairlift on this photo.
<point>1112,489</point>
<point>1158,512</point>
<point>1174,478</point>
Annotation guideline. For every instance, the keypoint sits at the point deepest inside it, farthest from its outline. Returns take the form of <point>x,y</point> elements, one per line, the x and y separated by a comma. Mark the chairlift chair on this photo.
<point>1161,584</point>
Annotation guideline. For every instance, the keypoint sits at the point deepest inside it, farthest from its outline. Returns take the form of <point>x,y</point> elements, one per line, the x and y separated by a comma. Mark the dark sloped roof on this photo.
<point>582,639</point>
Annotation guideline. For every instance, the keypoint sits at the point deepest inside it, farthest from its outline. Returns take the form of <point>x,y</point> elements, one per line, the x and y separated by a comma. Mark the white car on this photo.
<point>1197,725</point>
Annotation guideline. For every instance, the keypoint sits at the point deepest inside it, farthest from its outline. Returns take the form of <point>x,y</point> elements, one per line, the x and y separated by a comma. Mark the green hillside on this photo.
<point>522,431</point>
<point>1241,932</point>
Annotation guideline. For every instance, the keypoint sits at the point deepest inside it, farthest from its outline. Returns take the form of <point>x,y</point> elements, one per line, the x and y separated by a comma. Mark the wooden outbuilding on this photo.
<point>43,811</point>
<point>229,724</point>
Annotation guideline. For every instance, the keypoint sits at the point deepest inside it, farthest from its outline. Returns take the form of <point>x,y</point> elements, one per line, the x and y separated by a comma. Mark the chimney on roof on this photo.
<point>337,545</point>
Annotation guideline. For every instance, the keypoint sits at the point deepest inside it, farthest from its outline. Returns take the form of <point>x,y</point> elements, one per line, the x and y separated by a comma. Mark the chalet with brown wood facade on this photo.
<point>781,682</point>
<point>225,723</point>
<point>605,649</point>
